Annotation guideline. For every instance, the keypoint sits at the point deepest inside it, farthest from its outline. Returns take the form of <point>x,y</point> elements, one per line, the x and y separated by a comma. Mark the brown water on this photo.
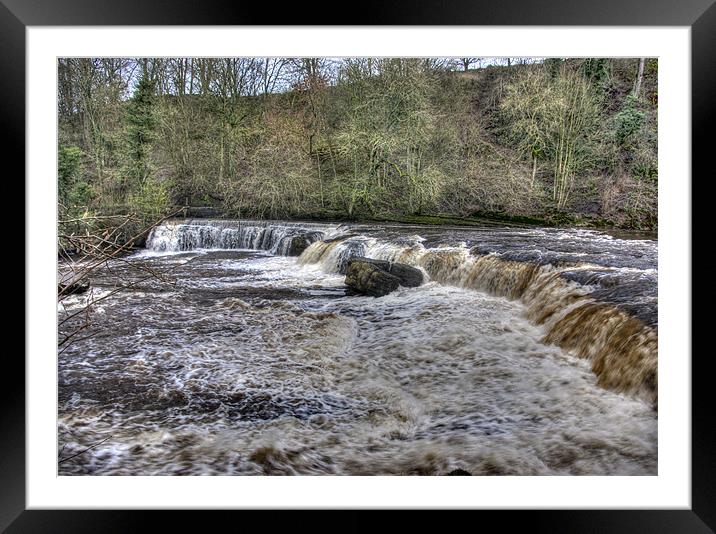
<point>528,352</point>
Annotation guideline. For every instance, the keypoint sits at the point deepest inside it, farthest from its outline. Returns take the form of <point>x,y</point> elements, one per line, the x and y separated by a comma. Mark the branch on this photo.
<point>83,451</point>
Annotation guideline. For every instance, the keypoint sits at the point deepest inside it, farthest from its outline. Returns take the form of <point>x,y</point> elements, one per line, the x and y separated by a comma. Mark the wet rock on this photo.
<point>297,245</point>
<point>294,245</point>
<point>69,284</point>
<point>378,277</point>
<point>140,241</point>
<point>368,279</point>
<point>459,473</point>
<point>409,276</point>
<point>351,250</point>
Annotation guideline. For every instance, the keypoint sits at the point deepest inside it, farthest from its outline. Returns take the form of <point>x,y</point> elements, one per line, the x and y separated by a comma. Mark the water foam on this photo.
<point>621,348</point>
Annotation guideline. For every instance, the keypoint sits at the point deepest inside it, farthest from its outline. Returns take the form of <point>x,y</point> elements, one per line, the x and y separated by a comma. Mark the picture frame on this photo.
<point>699,15</point>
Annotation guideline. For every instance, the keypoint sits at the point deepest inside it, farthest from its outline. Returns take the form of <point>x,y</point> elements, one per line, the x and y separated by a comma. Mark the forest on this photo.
<point>552,141</point>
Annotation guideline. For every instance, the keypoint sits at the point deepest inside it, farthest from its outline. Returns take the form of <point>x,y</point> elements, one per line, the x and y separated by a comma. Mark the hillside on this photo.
<point>556,142</point>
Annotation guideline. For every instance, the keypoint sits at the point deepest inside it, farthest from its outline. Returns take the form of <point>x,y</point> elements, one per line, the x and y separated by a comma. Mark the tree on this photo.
<point>597,70</point>
<point>385,138</point>
<point>140,125</point>
<point>554,117</point>
<point>72,189</point>
<point>270,72</point>
<point>466,62</point>
<point>178,74</point>
<point>639,76</point>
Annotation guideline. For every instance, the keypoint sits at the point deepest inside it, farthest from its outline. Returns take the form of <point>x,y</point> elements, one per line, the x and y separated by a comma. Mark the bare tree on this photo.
<point>270,72</point>
<point>178,75</point>
<point>466,62</point>
<point>203,72</point>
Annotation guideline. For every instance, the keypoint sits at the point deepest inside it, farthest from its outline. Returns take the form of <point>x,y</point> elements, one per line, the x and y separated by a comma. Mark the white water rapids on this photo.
<point>244,362</point>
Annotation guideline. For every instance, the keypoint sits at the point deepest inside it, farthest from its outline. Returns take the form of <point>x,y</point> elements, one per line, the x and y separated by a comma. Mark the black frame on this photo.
<point>700,15</point>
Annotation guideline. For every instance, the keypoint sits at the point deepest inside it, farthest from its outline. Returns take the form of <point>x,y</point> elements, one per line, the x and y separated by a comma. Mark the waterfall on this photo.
<point>621,348</point>
<point>283,239</point>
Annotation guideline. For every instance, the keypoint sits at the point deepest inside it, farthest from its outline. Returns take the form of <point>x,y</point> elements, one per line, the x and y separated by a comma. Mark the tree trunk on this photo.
<point>320,177</point>
<point>639,77</point>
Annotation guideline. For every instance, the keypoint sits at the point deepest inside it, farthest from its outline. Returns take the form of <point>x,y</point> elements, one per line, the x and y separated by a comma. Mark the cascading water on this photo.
<point>621,347</point>
<point>526,352</point>
<point>278,238</point>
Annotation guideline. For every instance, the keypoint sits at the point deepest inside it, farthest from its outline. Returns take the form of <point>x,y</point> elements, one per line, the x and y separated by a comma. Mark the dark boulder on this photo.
<point>459,473</point>
<point>295,245</point>
<point>298,244</point>
<point>69,284</point>
<point>379,277</point>
<point>409,276</point>
<point>140,241</point>
<point>368,279</point>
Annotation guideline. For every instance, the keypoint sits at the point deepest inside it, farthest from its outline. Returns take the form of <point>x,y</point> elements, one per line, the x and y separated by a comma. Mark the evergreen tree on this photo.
<point>140,125</point>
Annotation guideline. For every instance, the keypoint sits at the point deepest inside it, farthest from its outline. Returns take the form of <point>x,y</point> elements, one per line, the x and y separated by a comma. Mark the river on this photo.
<point>528,351</point>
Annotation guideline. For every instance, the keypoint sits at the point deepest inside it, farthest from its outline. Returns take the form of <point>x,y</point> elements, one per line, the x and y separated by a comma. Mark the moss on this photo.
<point>518,219</point>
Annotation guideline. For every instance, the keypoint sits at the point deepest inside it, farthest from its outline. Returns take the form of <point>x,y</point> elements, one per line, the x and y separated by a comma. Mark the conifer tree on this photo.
<point>140,125</point>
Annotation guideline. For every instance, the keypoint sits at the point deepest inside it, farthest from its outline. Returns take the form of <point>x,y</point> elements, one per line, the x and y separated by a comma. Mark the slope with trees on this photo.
<point>569,141</point>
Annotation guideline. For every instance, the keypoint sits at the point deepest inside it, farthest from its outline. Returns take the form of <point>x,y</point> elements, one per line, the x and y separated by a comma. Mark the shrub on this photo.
<point>69,169</point>
<point>629,121</point>
<point>152,199</point>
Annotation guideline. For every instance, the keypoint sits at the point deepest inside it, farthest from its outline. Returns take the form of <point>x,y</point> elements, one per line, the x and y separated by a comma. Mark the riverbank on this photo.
<point>494,219</point>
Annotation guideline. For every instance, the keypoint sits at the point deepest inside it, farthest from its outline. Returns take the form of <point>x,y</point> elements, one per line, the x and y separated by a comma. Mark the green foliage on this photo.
<point>152,199</point>
<point>629,121</point>
<point>72,188</point>
<point>140,122</point>
<point>69,160</point>
<point>80,194</point>
<point>644,164</point>
<point>645,170</point>
<point>598,72</point>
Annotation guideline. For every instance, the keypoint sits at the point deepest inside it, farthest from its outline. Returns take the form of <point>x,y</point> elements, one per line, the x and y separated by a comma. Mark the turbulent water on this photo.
<point>527,352</point>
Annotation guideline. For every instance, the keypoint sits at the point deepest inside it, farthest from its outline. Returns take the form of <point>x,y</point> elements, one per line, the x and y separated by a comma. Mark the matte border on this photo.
<point>700,15</point>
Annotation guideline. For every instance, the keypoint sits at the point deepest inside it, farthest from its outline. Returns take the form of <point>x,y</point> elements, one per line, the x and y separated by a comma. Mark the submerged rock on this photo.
<point>379,277</point>
<point>140,241</point>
